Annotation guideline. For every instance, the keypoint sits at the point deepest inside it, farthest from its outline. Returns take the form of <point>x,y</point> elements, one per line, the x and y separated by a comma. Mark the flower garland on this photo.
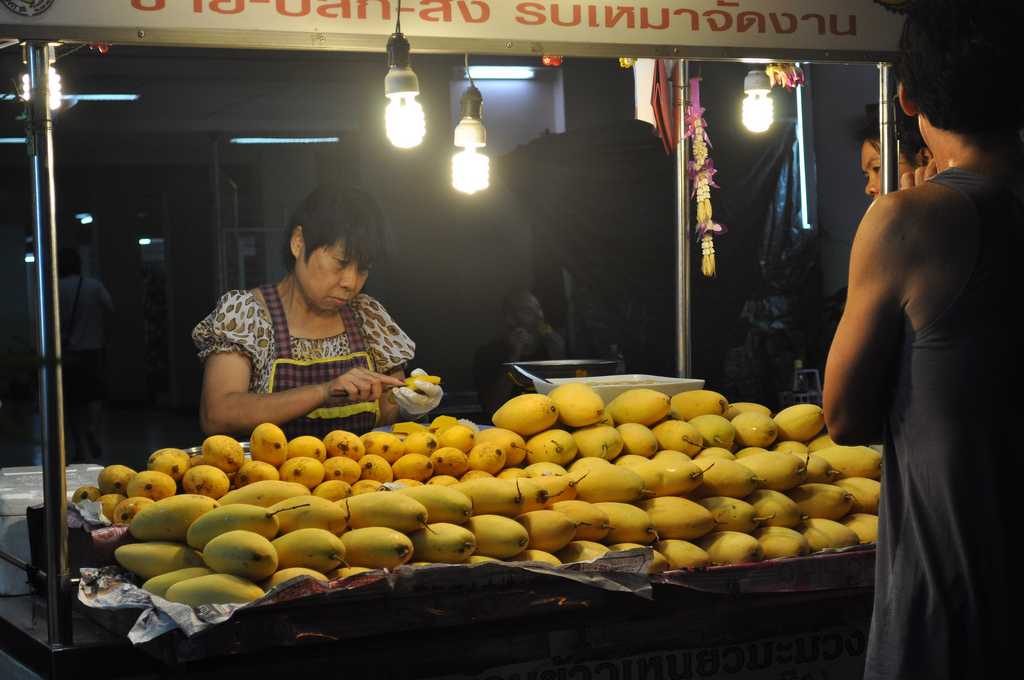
<point>785,75</point>
<point>702,175</point>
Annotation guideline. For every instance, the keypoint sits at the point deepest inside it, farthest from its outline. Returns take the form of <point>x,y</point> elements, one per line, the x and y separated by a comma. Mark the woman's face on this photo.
<point>871,166</point>
<point>329,279</point>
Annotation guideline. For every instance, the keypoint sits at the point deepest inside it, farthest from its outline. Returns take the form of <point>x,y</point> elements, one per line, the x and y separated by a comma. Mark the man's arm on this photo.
<point>858,373</point>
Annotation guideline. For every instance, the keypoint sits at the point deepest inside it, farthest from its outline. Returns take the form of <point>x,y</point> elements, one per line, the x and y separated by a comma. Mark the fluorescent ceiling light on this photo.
<point>29,258</point>
<point>145,241</point>
<point>284,140</point>
<point>101,97</point>
<point>12,140</point>
<point>84,218</point>
<point>501,72</point>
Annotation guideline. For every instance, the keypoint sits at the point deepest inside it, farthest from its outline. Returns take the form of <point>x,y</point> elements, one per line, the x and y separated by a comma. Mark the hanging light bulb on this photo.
<point>758,108</point>
<point>55,95</point>
<point>471,170</point>
<point>404,120</point>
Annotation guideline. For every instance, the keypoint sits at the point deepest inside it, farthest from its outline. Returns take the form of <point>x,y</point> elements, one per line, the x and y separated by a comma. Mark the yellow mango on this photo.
<point>776,509</point>
<point>800,422</point>
<point>285,575</point>
<point>384,445</point>
<point>365,486</point>
<point>443,480</point>
<point>486,457</point>
<point>582,465</point>
<point>345,572</point>
<point>480,559</point>
<point>237,517</point>
<point>443,542</point>
<point>126,510</point>
<point>822,441</point>
<point>171,462</point>
<point>443,504</point>
<point>690,404</point>
<point>308,472</point>
<point>498,536</point>
<point>241,553</point>
<point>629,523</point>
<point>670,476</point>
<point>592,523</point>
<point>581,551</point>
<point>629,460</point>
<point>442,423</point>
<point>256,471</point>
<point>824,501</point>
<point>450,461</point>
<point>268,444</point>
<point>342,468</point>
<point>682,554</point>
<point>512,473</point>
<point>206,480</point>
<point>549,530</point>
<point>407,483</point>
<point>557,488</point>
<point>820,470</point>
<point>638,440</point>
<point>610,483</point>
<point>311,512</point>
<point>715,452</point>
<point>853,461</point>
<point>508,441</point>
<point>598,441</point>
<point>413,466</point>
<point>798,448</point>
<point>214,589</point>
<point>312,548</point>
<point>377,548</point>
<point>725,478</point>
<point>578,404</point>
<point>407,428</point>
<point>750,451</point>
<point>333,490</point>
<point>223,452</point>
<point>376,468</point>
<point>264,493</point>
<point>114,479</point>
<point>156,558</point>
<point>731,547</point>
<point>343,444</point>
<point>816,538</point>
<point>780,471</point>
<point>839,535</point>
<point>458,437</point>
<point>866,493</point>
<point>158,585</point>
<point>551,446</point>
<point>545,469</point>
<point>755,429</point>
<point>863,524</point>
<point>642,405</point>
<point>423,443</point>
<point>678,518</point>
<point>779,542</point>
<point>533,555</point>
<point>398,511</point>
<point>475,474</point>
<point>109,502</point>
<point>659,562</point>
<point>732,514</point>
<point>497,496</point>
<point>152,485</point>
<point>526,414</point>
<point>739,407</point>
<point>169,519</point>
<point>716,431</point>
<point>676,435</point>
<point>86,493</point>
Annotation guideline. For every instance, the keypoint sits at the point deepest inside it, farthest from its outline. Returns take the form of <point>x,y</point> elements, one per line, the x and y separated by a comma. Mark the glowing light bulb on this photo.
<point>55,95</point>
<point>758,108</point>
<point>404,120</point>
<point>471,171</point>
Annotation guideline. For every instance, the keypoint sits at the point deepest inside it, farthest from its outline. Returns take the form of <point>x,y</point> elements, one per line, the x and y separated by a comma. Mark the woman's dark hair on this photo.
<point>69,262</point>
<point>345,216</point>
<point>911,142</point>
<point>956,63</point>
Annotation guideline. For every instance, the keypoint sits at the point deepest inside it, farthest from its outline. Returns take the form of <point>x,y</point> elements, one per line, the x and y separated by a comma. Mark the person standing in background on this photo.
<point>85,310</point>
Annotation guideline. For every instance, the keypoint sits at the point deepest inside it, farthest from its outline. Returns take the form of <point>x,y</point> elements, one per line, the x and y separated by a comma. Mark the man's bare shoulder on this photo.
<point>914,220</point>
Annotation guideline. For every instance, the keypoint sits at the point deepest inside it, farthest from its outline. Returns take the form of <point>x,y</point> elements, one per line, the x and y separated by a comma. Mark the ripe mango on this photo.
<point>458,437</point>
<point>549,530</point>
<point>512,473</point>
<point>448,460</point>
<point>156,557</point>
<point>739,407</point>
<point>443,504</point>
<point>443,542</point>
<point>670,475</point>
<point>853,461</point>
<point>731,547</point>
<point>114,479</point>
<point>340,443</point>
<point>798,448</point>
<point>285,575</point>
<point>526,414</point>
<point>496,496</point>
<point>642,405</point>
<point>171,462</point>
<point>732,514</point>
<point>411,381</point>
<point>533,555</point>
<point>508,441</point>
<point>755,429</point>
<point>413,466</point>
<point>750,451</point>
<point>383,444</point>
<point>629,460</point>
<point>241,553</point>
<point>486,457</point>
<point>822,441</point>
<point>866,494</point>
<point>206,480</point>
<point>265,493</point>
<point>345,572</point>
<point>779,542</point>
<point>223,452</point>
<point>237,517</point>
<point>725,478</point>
<point>407,428</point>
<point>109,502</point>
<point>126,510</point>
<point>152,485</point>
<point>629,523</point>
<point>578,404</point>
<point>824,501</point>
<point>342,468</point>
<point>398,511</point>
<point>598,441</point>
<point>423,443</point>
<point>442,423</point>
<point>688,405</point>
<point>377,548</point>
<point>638,440</point>
<point>581,551</point>
<point>443,480</point>
<point>816,538</point>
<point>716,452</point>
<point>820,470</point>
<point>545,469</point>
<point>475,474</point>
<point>365,486</point>
<point>268,444</point>
<point>581,465</point>
<point>214,589</point>
<point>480,559</point>
<point>256,471</point>
<point>305,512</point>
<point>716,431</point>
<point>676,435</point>
<point>86,493</point>
<point>839,535</point>
<point>780,471</point>
<point>682,554</point>
<point>610,483</point>
<point>551,446</point>
<point>659,562</point>
<point>316,549</point>
<point>158,585</point>
<point>678,518</point>
<point>376,468</point>
<point>592,523</point>
<point>800,422</point>
<point>498,536</point>
<point>864,525</point>
<point>779,509</point>
<point>557,488</point>
<point>407,483</point>
<point>170,518</point>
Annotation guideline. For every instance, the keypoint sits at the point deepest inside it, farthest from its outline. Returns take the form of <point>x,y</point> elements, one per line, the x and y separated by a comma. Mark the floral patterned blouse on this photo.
<point>240,323</point>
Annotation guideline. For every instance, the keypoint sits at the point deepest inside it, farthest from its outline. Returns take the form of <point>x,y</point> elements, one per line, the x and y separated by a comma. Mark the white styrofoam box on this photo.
<point>21,487</point>
<point>611,386</point>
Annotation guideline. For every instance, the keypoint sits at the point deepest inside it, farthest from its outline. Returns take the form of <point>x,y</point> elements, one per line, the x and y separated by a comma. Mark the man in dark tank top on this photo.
<point>926,357</point>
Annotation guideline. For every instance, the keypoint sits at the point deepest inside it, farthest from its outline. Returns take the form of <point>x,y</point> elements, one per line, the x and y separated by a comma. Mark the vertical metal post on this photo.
<point>684,358</point>
<point>220,257</point>
<point>51,397</point>
<point>889,145</point>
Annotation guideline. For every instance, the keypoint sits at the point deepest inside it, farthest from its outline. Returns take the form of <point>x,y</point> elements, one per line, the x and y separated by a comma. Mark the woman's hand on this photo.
<point>909,180</point>
<point>359,385</point>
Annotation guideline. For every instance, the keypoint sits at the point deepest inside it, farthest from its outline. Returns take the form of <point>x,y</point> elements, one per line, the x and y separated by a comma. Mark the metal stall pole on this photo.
<point>889,144</point>
<point>684,354</point>
<point>51,396</point>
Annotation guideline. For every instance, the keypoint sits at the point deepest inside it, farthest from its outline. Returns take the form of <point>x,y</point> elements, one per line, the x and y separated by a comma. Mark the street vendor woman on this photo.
<point>312,353</point>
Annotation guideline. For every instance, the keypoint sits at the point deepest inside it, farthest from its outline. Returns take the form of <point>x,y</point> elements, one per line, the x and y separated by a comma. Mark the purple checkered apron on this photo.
<point>287,373</point>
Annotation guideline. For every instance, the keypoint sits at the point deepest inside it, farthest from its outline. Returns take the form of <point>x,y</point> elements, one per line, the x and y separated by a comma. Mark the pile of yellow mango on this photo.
<point>560,478</point>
